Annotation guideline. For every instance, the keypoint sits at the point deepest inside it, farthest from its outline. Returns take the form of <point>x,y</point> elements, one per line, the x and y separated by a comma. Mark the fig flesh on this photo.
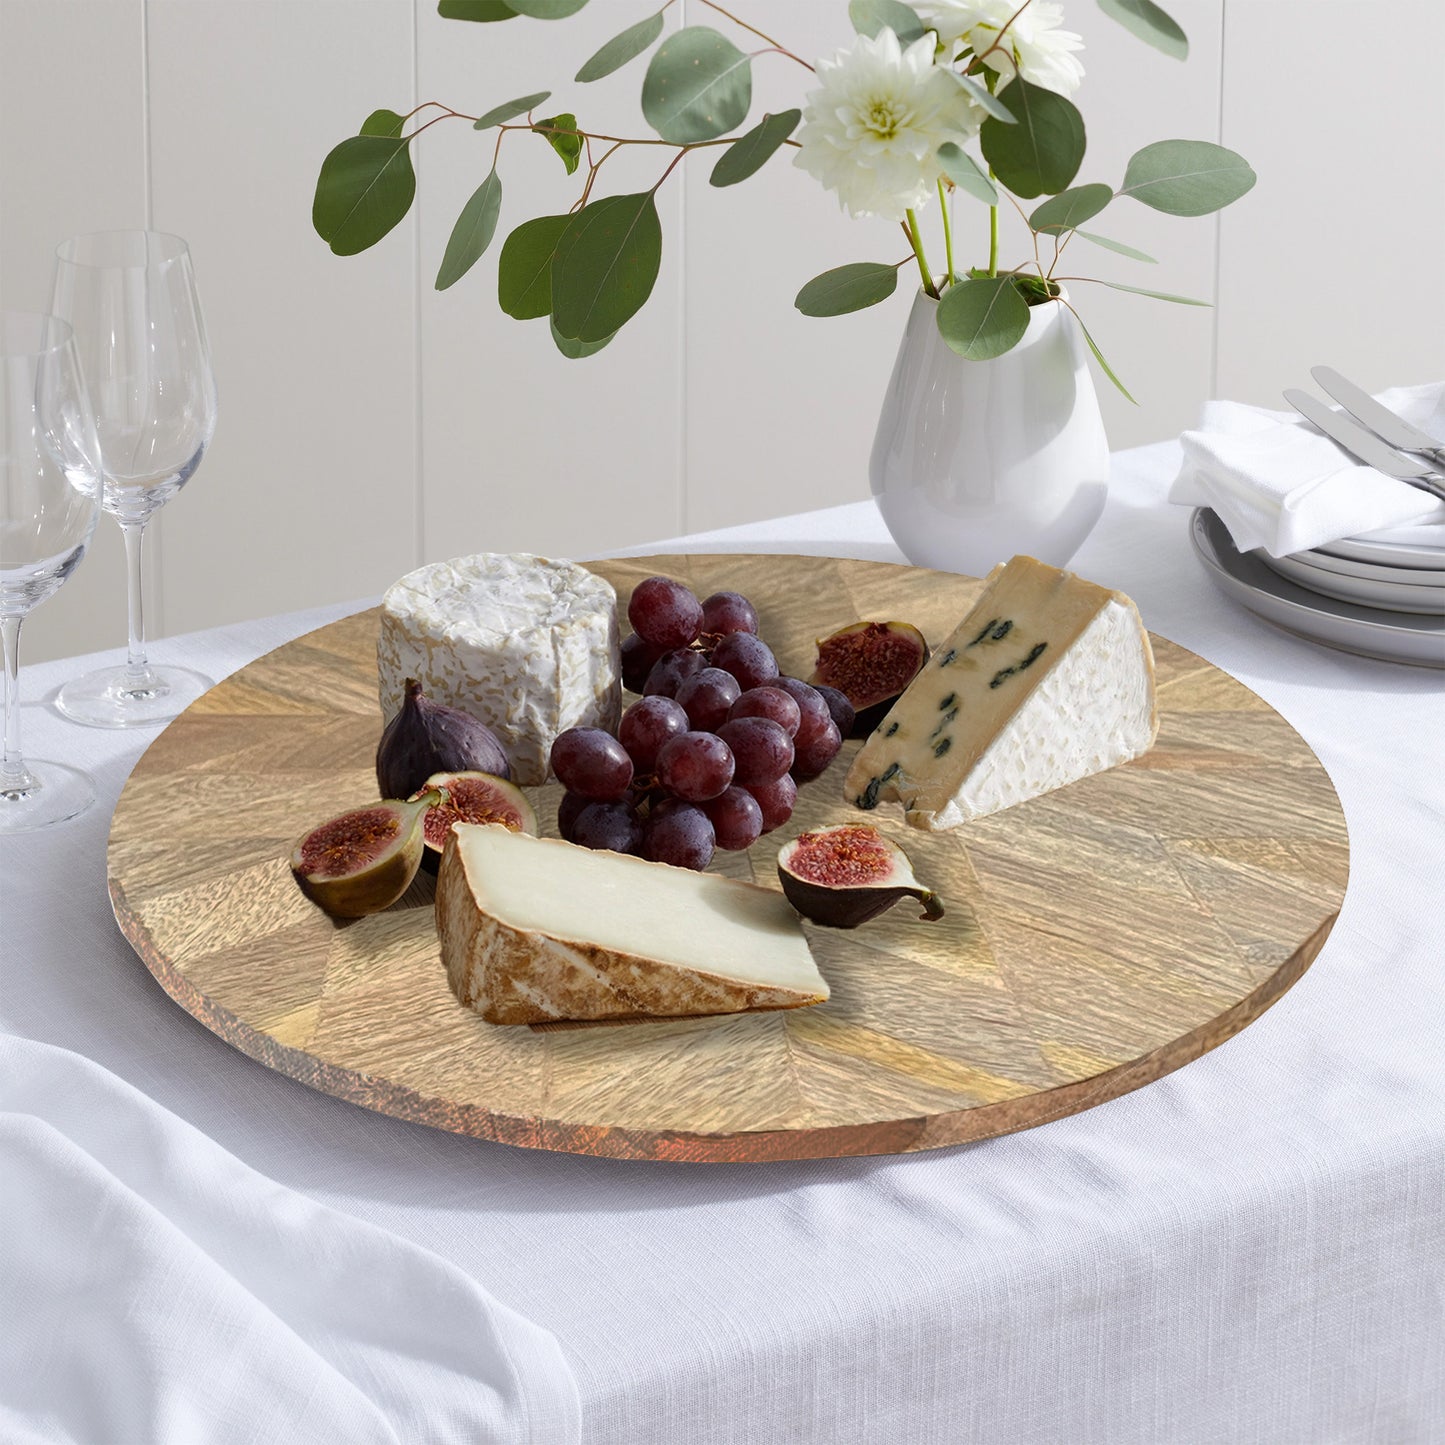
<point>363,861</point>
<point>426,737</point>
<point>870,663</point>
<point>844,875</point>
<point>471,797</point>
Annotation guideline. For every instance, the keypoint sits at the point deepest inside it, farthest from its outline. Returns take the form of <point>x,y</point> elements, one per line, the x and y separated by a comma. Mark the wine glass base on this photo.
<point>51,793</point>
<point>108,698</point>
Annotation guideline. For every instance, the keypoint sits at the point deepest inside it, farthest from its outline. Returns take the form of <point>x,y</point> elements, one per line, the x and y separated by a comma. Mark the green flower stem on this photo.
<point>947,232</point>
<point>992,233</point>
<point>916,241</point>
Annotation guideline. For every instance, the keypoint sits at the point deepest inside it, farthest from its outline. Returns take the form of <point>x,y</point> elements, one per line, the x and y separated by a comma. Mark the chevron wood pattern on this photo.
<point>1095,939</point>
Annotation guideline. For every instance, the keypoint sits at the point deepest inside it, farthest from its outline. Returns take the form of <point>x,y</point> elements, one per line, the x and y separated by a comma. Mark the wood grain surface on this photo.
<point>1095,938</point>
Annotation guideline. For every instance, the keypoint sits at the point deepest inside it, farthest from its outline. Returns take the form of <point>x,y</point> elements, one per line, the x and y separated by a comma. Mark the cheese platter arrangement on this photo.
<point>728,858</point>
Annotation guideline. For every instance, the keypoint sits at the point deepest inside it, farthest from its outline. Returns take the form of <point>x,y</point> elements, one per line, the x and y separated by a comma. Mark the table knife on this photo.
<point>1365,446</point>
<point>1380,419</point>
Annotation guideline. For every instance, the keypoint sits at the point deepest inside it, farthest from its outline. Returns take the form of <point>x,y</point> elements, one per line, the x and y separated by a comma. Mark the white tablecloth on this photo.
<point>197,1250</point>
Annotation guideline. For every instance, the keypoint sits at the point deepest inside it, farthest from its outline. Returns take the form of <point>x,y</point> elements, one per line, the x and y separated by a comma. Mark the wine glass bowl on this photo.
<point>50,487</point>
<point>132,298</point>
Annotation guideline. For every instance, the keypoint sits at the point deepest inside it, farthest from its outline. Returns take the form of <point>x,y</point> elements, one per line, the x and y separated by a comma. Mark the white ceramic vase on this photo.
<point>975,461</point>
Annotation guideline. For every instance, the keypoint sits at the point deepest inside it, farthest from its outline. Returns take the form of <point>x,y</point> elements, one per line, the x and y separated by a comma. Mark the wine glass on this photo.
<point>131,297</point>
<point>50,484</point>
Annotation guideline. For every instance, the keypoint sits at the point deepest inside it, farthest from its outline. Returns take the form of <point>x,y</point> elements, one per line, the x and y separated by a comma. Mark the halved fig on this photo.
<point>471,797</point>
<point>844,875</point>
<point>870,663</point>
<point>363,861</point>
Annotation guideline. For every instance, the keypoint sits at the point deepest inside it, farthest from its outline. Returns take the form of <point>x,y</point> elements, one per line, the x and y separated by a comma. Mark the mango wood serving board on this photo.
<point>1095,939</point>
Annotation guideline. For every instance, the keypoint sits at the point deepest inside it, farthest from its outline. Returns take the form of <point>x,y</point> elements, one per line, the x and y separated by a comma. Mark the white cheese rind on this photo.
<point>527,645</point>
<point>534,929</point>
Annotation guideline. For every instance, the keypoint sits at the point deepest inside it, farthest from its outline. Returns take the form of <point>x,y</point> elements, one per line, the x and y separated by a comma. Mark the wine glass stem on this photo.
<point>13,775</point>
<point>138,673</point>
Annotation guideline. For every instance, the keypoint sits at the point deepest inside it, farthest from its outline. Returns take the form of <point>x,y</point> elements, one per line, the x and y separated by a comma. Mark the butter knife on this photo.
<point>1364,445</point>
<point>1380,419</point>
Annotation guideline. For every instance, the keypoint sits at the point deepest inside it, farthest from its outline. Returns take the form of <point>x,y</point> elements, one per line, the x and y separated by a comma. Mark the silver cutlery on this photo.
<point>1365,446</point>
<point>1379,419</point>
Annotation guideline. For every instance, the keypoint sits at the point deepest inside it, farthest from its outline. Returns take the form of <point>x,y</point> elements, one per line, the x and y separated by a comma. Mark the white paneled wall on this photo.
<point>369,422</point>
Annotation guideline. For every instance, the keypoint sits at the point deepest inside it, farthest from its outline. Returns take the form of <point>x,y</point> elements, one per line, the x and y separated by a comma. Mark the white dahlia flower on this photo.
<point>1034,47</point>
<point>872,129</point>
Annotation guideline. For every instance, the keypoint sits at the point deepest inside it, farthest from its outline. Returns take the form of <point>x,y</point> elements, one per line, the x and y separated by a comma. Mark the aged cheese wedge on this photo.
<point>535,929</point>
<point>1048,679</point>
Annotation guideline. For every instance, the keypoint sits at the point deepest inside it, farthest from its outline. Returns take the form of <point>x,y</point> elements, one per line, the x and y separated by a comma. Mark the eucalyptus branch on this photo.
<point>782,50</point>
<point>947,232</point>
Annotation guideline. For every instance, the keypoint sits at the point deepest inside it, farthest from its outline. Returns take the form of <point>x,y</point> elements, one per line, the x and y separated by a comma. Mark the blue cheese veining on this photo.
<point>1047,679</point>
<point>525,644</point>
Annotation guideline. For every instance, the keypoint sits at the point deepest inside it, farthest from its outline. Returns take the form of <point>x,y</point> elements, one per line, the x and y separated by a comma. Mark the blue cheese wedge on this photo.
<point>1048,679</point>
<point>527,645</point>
<point>534,930</point>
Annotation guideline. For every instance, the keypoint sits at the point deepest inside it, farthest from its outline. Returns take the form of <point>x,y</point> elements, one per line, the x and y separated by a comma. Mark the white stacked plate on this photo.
<point>1413,583</point>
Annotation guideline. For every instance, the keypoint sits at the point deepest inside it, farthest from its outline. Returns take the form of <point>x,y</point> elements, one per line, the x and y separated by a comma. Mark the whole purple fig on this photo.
<point>425,738</point>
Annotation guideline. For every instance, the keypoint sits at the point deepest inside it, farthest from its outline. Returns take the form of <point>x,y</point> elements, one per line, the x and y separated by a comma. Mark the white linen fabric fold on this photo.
<point>1279,484</point>
<point>161,1291</point>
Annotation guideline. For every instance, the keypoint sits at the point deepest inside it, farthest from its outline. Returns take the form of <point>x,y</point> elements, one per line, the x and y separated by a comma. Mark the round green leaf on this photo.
<point>1042,154</point>
<point>561,133</point>
<point>382,122</point>
<point>1064,211</point>
<point>847,288</point>
<point>365,187</point>
<point>576,350</point>
<point>1150,24</point>
<point>871,16</point>
<point>509,110</point>
<point>605,266</point>
<point>966,173</point>
<point>1117,246</point>
<point>547,9</point>
<point>479,10</point>
<point>1186,177</point>
<point>983,318</point>
<point>622,48</point>
<point>986,98</point>
<point>524,269</point>
<point>749,153</point>
<point>698,86</point>
<point>472,233</point>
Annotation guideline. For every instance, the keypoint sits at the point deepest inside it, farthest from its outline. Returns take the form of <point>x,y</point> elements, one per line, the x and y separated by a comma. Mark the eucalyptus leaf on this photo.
<point>472,233</point>
<point>576,350</point>
<point>1186,177</point>
<point>1117,246</point>
<point>749,153</point>
<point>983,318</point>
<point>1157,295</point>
<point>366,186</point>
<point>510,110</point>
<point>698,86</point>
<point>1146,20</point>
<point>980,93</point>
<point>871,16</point>
<point>621,48</point>
<point>966,173</point>
<point>480,10</point>
<point>561,133</point>
<point>524,269</point>
<point>547,9</point>
<point>847,288</point>
<point>605,266</point>
<point>1099,357</point>
<point>1042,154</point>
<point>1064,211</point>
<point>382,122</point>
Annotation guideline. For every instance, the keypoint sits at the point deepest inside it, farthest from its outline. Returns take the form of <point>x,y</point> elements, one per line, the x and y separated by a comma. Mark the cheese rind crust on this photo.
<point>1048,679</point>
<point>518,975</point>
<point>527,645</point>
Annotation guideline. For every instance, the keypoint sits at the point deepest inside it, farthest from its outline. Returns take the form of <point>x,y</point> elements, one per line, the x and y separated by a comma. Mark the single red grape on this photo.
<point>769,702</point>
<point>776,800</point>
<point>646,725</point>
<point>638,657</point>
<point>737,819</point>
<point>706,696</point>
<point>567,811</point>
<point>592,762</point>
<point>814,754</point>
<point>665,613</point>
<point>748,658</point>
<point>681,835</point>
<point>839,708</point>
<point>762,751</point>
<point>726,612</point>
<point>671,670</point>
<point>695,767</point>
<point>613,826</point>
<point>815,714</point>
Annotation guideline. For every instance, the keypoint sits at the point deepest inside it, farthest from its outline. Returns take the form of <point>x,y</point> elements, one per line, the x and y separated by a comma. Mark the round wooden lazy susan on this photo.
<point>1095,938</point>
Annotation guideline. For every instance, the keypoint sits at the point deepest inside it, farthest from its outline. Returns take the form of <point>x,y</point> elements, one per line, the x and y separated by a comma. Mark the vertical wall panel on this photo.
<point>521,448</point>
<point>1335,257</point>
<point>308,492</point>
<point>72,159</point>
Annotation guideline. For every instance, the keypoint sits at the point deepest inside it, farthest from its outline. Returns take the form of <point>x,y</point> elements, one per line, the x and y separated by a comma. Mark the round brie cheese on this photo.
<point>526,645</point>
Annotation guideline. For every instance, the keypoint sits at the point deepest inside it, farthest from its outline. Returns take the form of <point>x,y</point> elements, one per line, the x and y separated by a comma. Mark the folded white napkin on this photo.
<point>1279,484</point>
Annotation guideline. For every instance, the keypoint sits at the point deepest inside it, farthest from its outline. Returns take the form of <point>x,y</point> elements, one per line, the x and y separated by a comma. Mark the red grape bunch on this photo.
<point>712,752</point>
